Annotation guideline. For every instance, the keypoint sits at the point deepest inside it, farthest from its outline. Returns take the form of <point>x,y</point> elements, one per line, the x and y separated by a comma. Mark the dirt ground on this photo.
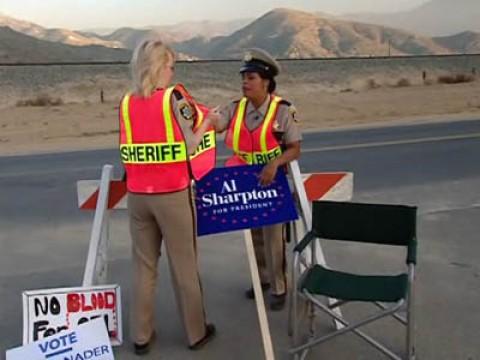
<point>87,125</point>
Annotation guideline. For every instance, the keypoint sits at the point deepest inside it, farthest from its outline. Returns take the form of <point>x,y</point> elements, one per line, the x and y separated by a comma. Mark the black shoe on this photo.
<point>250,293</point>
<point>277,302</point>
<point>210,332</point>
<point>143,349</point>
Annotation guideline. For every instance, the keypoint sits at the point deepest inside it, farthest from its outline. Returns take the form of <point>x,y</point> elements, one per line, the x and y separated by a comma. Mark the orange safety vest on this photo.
<point>205,156</point>
<point>152,145</point>
<point>253,147</point>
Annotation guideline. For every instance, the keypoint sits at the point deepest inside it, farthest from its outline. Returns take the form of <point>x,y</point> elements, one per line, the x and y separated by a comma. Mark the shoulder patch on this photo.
<point>186,111</point>
<point>276,126</point>
<point>292,110</point>
<point>285,102</point>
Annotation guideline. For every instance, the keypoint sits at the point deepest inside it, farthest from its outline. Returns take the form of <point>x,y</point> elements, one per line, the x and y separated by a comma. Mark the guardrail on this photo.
<point>346,58</point>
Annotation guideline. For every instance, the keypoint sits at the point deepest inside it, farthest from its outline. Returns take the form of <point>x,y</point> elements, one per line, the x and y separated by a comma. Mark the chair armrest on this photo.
<point>307,239</point>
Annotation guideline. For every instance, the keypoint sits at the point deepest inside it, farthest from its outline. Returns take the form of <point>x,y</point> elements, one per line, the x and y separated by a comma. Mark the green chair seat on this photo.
<point>350,287</point>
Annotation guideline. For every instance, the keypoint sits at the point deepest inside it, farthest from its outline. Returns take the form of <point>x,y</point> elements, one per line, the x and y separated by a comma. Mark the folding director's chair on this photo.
<point>364,223</point>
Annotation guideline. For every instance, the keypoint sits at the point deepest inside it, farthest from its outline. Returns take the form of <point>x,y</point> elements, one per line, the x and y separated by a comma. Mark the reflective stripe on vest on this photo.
<point>260,157</point>
<point>208,139</point>
<point>157,153</point>
<point>126,118</point>
<point>200,118</point>
<point>265,154</point>
<point>204,158</point>
<point>167,111</point>
<point>207,143</point>
<point>237,123</point>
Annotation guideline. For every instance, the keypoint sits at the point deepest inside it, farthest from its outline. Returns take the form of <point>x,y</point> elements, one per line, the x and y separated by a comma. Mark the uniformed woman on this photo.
<point>262,129</point>
<point>160,129</point>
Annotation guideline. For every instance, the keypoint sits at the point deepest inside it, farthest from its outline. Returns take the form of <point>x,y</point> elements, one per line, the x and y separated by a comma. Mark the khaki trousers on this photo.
<point>170,218</point>
<point>269,248</point>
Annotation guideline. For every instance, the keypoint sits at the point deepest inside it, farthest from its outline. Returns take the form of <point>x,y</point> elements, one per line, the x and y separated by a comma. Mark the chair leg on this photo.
<point>301,356</point>
<point>291,309</point>
<point>293,314</point>
<point>401,319</point>
<point>350,327</point>
<point>295,334</point>
<point>304,354</point>
<point>411,315</point>
<point>311,318</point>
<point>293,328</point>
<point>290,313</point>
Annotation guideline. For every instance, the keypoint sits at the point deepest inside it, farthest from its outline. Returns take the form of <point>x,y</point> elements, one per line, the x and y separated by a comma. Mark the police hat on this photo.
<point>258,60</point>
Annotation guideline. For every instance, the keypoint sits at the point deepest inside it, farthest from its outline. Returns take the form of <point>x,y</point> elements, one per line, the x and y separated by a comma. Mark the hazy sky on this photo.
<point>81,14</point>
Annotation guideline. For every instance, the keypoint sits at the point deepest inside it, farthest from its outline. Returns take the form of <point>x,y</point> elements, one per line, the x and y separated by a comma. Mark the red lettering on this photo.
<point>73,303</point>
<point>100,301</point>
<point>86,307</point>
<point>84,303</point>
<point>110,300</point>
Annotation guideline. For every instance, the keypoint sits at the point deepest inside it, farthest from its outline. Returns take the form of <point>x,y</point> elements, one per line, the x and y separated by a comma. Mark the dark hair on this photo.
<point>272,84</point>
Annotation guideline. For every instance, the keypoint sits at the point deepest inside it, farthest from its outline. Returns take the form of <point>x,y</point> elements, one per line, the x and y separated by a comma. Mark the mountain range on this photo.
<point>129,37</point>
<point>285,33</point>
<point>433,18</point>
<point>467,42</point>
<point>289,33</point>
<point>64,36</point>
<point>16,47</point>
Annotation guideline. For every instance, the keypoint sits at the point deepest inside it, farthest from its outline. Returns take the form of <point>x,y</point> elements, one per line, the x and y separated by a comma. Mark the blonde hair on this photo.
<point>148,65</point>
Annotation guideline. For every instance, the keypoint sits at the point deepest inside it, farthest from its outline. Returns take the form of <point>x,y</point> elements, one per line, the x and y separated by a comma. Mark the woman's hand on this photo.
<point>214,116</point>
<point>268,173</point>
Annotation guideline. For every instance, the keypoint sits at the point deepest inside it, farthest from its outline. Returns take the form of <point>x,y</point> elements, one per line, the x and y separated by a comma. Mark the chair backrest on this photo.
<point>370,223</point>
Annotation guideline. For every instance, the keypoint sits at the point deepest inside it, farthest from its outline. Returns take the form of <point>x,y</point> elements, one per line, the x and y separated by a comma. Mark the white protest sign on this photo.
<point>89,341</point>
<point>48,312</point>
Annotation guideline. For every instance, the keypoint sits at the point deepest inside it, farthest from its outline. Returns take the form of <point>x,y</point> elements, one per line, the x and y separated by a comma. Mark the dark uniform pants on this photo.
<point>169,217</point>
<point>269,248</point>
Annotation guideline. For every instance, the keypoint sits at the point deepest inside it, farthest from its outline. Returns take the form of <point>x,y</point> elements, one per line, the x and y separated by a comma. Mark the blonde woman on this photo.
<point>156,147</point>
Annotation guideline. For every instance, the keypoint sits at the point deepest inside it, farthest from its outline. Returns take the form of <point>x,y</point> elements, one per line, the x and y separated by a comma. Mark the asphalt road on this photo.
<point>44,241</point>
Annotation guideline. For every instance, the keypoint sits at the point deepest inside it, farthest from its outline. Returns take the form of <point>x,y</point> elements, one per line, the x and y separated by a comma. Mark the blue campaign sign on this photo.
<point>229,199</point>
<point>88,341</point>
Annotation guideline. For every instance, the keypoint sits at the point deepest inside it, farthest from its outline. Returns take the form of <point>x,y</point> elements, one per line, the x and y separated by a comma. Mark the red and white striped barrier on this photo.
<point>326,186</point>
<point>88,191</point>
<point>106,195</point>
<point>337,186</point>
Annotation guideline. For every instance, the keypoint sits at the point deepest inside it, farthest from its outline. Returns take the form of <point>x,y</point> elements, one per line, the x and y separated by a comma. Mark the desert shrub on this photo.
<point>41,100</point>
<point>403,82</point>
<point>372,84</point>
<point>455,79</point>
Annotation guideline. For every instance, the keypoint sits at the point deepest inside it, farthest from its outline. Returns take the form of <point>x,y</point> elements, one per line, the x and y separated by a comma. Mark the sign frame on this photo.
<point>89,190</point>
<point>27,323</point>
